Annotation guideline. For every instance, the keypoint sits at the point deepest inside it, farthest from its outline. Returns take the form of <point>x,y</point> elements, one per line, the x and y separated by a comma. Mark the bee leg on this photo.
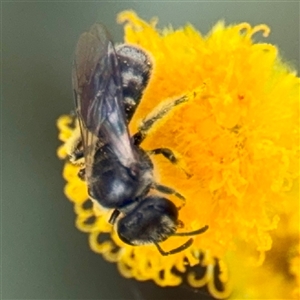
<point>168,154</point>
<point>74,146</point>
<point>114,216</point>
<point>76,155</point>
<point>81,174</point>
<point>167,190</point>
<point>154,116</point>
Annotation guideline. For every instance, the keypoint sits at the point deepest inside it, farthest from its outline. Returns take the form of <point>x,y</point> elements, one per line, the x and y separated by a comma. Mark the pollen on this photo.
<point>237,143</point>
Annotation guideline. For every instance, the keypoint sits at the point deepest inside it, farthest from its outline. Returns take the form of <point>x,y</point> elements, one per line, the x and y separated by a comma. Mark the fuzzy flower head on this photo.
<point>236,138</point>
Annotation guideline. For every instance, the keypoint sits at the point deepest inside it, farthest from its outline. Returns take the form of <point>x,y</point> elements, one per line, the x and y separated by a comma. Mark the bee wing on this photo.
<point>98,96</point>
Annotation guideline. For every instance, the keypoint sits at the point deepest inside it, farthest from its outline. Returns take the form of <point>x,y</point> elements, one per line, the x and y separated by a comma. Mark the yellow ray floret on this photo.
<point>237,136</point>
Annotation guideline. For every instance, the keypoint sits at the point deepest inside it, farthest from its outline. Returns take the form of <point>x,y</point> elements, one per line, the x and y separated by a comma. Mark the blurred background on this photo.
<point>43,255</point>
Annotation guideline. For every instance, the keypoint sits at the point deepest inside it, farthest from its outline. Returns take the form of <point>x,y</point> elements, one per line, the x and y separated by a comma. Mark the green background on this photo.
<point>43,255</point>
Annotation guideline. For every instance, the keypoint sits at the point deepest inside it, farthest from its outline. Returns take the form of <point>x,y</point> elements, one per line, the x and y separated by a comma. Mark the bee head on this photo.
<point>152,221</point>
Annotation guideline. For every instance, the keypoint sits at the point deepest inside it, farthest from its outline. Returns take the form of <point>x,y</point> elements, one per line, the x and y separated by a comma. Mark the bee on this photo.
<point>108,83</point>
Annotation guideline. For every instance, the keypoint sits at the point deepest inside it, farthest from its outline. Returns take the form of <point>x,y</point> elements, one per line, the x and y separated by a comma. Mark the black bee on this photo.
<point>108,84</point>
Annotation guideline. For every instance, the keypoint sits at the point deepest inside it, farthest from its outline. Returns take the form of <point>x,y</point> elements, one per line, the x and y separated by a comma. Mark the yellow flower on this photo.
<point>278,277</point>
<point>238,136</point>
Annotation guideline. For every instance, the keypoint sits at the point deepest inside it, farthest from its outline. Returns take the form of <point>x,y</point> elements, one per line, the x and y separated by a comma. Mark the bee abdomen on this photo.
<point>135,68</point>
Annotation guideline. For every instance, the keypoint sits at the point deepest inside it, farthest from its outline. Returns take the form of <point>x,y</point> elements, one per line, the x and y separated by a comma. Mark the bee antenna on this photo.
<point>183,246</point>
<point>176,250</point>
<point>198,231</point>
